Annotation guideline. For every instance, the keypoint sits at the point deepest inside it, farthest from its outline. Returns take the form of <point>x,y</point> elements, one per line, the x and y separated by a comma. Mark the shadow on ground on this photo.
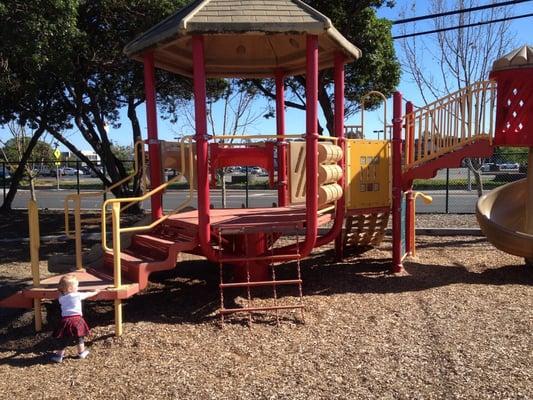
<point>189,293</point>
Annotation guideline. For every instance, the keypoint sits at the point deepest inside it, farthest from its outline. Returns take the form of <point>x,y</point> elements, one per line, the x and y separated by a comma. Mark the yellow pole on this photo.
<point>529,201</point>
<point>115,212</point>
<point>427,200</point>
<point>77,227</point>
<point>33,221</point>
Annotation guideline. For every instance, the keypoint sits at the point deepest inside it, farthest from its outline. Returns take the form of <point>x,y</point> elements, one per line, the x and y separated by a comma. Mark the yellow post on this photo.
<point>529,201</point>
<point>115,213</point>
<point>427,200</point>
<point>35,238</point>
<point>77,228</point>
<point>118,317</point>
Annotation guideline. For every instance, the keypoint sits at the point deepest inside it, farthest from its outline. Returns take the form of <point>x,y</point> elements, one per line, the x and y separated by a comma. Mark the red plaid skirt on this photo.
<point>72,326</point>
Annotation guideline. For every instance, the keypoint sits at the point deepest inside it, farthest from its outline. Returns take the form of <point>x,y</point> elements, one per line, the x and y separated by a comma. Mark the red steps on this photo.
<point>153,251</point>
<point>156,250</point>
<point>90,280</point>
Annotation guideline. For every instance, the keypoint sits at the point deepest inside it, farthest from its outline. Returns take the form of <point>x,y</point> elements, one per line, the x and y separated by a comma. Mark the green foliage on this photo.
<point>377,69</point>
<point>511,155</point>
<point>14,148</point>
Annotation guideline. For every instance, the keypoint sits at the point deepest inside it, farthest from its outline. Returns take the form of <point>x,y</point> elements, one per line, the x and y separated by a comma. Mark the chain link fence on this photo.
<point>51,174</point>
<point>456,190</point>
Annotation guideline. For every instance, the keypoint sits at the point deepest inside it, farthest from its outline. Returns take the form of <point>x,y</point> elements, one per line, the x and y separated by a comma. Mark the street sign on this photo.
<point>57,154</point>
<point>57,163</point>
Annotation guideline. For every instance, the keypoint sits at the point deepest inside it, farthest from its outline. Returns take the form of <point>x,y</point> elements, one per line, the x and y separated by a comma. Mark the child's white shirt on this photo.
<point>71,303</point>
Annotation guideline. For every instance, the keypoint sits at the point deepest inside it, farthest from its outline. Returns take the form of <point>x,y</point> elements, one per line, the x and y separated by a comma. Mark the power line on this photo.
<point>460,11</point>
<point>493,21</point>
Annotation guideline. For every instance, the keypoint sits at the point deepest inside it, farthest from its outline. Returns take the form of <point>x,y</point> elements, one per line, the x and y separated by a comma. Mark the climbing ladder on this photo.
<point>248,284</point>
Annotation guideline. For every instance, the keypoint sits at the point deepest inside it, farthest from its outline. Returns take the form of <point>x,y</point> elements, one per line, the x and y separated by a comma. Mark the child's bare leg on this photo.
<point>82,352</point>
<point>81,345</point>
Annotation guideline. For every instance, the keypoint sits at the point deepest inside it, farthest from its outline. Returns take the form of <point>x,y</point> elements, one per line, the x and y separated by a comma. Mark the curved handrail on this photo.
<point>451,122</point>
<point>147,195</point>
<point>362,103</point>
<point>76,197</point>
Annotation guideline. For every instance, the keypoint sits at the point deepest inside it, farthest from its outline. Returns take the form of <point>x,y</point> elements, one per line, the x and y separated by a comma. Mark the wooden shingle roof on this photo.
<point>243,38</point>
<point>518,58</point>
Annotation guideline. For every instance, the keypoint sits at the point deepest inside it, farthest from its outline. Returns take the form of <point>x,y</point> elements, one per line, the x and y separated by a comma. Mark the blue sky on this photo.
<point>295,120</point>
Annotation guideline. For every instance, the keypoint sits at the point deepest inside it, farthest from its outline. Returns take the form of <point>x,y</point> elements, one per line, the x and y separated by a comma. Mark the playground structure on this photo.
<point>350,187</point>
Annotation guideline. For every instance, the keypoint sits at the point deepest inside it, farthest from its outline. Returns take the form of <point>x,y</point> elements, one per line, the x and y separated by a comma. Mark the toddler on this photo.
<point>72,328</point>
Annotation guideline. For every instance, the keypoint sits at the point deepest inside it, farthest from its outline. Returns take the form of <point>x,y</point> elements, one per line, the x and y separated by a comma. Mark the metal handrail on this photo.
<point>449,123</point>
<point>76,197</point>
<point>362,104</point>
<point>132,200</point>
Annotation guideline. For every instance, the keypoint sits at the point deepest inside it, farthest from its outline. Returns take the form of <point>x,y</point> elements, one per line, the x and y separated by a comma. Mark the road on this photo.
<point>460,201</point>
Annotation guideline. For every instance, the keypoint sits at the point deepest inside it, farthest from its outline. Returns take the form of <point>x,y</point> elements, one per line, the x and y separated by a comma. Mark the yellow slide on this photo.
<point>502,216</point>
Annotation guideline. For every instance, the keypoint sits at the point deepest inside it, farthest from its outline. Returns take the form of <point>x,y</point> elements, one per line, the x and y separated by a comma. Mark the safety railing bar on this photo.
<point>149,194</point>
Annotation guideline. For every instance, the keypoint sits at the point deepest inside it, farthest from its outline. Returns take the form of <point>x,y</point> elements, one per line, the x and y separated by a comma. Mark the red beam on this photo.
<point>409,197</point>
<point>153,141</point>
<point>397,183</point>
<point>202,162</point>
<point>282,145</point>
<point>336,230</point>
<point>311,139</point>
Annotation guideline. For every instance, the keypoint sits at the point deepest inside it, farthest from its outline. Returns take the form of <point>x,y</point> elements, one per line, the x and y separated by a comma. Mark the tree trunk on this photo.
<point>19,173</point>
<point>137,136</point>
<point>475,169</point>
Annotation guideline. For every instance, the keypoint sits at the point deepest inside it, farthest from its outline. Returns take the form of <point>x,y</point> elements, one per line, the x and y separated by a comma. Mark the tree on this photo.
<point>14,149</point>
<point>232,111</point>
<point>462,56</point>
<point>377,69</point>
<point>63,67</point>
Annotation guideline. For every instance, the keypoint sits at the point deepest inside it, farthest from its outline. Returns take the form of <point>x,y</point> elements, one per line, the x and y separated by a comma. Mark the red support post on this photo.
<point>335,233</point>
<point>153,141</point>
<point>282,144</point>
<point>201,138</point>
<point>409,196</point>
<point>311,139</point>
<point>397,183</point>
<point>339,132</point>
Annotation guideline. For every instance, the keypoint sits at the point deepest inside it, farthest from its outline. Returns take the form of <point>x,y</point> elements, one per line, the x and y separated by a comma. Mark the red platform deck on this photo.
<point>89,280</point>
<point>250,220</point>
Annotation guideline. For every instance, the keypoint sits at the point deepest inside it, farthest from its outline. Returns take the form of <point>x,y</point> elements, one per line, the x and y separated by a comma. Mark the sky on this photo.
<point>295,120</point>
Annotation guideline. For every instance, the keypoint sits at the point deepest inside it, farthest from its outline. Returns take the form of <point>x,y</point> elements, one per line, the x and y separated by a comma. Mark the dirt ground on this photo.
<point>457,325</point>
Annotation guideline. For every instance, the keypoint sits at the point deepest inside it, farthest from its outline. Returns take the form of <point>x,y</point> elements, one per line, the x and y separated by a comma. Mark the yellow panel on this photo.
<point>368,173</point>
<point>296,173</point>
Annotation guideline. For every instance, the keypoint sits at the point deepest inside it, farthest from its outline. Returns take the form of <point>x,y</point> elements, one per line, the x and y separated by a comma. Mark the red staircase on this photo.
<point>156,250</point>
<point>153,251</point>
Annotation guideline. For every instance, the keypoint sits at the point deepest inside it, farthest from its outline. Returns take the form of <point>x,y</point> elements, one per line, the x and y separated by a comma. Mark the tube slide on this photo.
<point>501,214</point>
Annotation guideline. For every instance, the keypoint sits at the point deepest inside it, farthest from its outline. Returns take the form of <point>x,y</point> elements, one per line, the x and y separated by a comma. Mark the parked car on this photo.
<point>45,171</point>
<point>487,167</point>
<point>509,167</point>
<point>70,171</point>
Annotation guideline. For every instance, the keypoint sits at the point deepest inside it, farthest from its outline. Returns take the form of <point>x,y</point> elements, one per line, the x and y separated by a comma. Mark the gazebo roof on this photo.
<point>243,38</point>
<point>518,58</point>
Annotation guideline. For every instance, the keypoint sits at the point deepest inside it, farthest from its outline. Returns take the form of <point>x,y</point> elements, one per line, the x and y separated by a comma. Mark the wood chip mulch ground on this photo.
<point>457,325</point>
